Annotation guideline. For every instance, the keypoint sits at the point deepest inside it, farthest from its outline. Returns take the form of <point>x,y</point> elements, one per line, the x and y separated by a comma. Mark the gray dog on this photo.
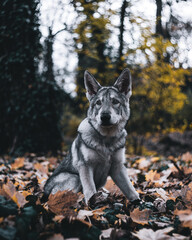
<point>99,149</point>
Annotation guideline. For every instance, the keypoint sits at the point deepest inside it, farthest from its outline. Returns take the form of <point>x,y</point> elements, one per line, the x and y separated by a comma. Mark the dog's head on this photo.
<point>109,106</point>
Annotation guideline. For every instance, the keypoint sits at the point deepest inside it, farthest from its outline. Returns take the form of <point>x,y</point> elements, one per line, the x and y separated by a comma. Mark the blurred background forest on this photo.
<point>45,47</point>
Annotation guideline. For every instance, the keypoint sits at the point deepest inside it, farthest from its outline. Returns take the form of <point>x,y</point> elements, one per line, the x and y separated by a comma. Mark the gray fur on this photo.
<point>98,151</point>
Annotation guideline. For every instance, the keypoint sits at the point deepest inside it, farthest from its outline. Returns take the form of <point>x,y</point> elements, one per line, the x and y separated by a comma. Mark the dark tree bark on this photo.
<point>159,28</point>
<point>121,30</point>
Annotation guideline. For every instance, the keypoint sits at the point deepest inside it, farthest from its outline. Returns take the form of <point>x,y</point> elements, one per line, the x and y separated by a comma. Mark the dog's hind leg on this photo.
<point>63,181</point>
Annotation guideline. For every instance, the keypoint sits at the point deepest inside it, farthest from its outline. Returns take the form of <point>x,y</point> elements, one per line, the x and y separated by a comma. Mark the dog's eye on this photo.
<point>98,102</point>
<point>115,101</point>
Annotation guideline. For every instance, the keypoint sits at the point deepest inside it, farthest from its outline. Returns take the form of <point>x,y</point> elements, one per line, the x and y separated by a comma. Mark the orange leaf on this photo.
<point>41,167</point>
<point>112,187</point>
<point>152,176</point>
<point>63,202</point>
<point>186,194</point>
<point>18,163</point>
<point>187,157</point>
<point>140,217</point>
<point>10,192</point>
<point>185,216</point>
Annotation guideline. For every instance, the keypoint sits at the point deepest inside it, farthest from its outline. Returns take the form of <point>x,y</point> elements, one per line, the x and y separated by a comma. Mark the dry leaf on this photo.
<point>140,217</point>
<point>56,237</point>
<point>162,193</point>
<point>149,234</point>
<point>58,218</point>
<point>179,237</point>
<point>8,190</point>
<point>143,163</point>
<point>152,176</point>
<point>187,157</point>
<point>82,214</point>
<point>112,187</point>
<point>63,203</point>
<point>185,216</point>
<point>155,159</point>
<point>42,167</point>
<point>18,163</point>
<point>123,217</point>
<point>186,194</point>
<point>106,233</point>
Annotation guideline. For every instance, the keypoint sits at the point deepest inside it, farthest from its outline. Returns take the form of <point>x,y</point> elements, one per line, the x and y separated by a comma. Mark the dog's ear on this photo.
<point>91,85</point>
<point>124,83</point>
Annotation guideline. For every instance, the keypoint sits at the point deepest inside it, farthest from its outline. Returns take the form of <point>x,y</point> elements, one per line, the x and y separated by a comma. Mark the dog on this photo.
<point>99,149</point>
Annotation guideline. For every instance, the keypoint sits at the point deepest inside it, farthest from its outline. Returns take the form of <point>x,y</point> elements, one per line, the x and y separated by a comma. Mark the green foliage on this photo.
<point>91,43</point>
<point>158,97</point>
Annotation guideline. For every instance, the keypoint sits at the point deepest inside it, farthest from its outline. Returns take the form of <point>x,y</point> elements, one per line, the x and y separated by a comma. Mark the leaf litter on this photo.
<point>164,212</point>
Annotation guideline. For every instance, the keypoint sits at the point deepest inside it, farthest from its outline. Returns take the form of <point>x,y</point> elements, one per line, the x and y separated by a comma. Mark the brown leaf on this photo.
<point>187,157</point>
<point>18,163</point>
<point>149,234</point>
<point>143,163</point>
<point>186,194</point>
<point>185,216</point>
<point>63,202</point>
<point>8,190</point>
<point>82,214</point>
<point>140,217</point>
<point>56,236</point>
<point>41,167</point>
<point>112,187</point>
<point>152,176</point>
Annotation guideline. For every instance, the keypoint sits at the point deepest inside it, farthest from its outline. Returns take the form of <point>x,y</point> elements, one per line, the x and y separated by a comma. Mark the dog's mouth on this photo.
<point>107,125</point>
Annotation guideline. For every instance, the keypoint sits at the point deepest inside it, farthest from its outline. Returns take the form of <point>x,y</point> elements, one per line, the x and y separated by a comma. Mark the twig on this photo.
<point>178,168</point>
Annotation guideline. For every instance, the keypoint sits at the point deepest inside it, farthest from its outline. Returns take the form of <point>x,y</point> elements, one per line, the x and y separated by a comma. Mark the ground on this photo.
<point>165,210</point>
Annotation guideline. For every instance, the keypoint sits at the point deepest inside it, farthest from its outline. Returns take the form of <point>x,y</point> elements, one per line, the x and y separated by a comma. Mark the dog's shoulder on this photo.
<point>84,127</point>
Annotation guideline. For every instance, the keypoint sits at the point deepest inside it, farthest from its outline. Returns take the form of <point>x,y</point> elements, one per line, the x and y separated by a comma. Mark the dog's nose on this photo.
<point>105,118</point>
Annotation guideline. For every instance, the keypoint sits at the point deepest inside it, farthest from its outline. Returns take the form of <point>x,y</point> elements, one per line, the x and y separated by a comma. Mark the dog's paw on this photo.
<point>136,202</point>
<point>98,198</point>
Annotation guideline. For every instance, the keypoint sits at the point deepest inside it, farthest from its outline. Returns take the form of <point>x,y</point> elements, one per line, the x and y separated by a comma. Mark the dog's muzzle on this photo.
<point>105,119</point>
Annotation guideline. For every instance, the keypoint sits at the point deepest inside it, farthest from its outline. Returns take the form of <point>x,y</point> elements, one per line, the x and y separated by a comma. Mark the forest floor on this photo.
<point>165,211</point>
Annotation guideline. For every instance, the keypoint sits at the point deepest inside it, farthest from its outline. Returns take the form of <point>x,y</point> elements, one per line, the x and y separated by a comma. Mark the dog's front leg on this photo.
<point>87,181</point>
<point>119,175</point>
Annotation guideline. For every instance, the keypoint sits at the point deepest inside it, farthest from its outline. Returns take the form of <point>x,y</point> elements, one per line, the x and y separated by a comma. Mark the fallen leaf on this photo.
<point>42,167</point>
<point>162,193</point>
<point>57,236</point>
<point>123,217</point>
<point>82,214</point>
<point>187,157</point>
<point>179,237</point>
<point>155,159</point>
<point>58,218</point>
<point>9,191</point>
<point>185,216</point>
<point>143,163</point>
<point>186,194</point>
<point>18,163</point>
<point>152,176</point>
<point>149,234</point>
<point>140,217</point>
<point>112,187</point>
<point>106,233</point>
<point>63,202</point>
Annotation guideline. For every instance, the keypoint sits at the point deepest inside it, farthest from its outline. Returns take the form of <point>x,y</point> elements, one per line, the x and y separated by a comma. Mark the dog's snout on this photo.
<point>105,118</point>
